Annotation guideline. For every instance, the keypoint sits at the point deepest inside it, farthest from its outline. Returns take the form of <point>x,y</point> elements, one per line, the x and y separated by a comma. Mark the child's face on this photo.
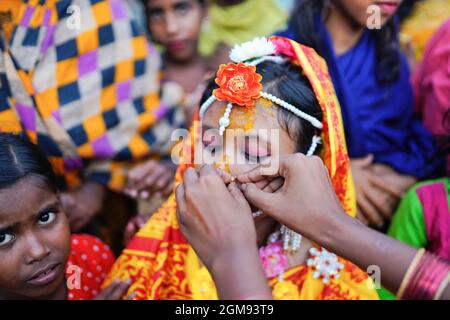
<point>258,131</point>
<point>34,240</point>
<point>176,25</point>
<point>357,9</point>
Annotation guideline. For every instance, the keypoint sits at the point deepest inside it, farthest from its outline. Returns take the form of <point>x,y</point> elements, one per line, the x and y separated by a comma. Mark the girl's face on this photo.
<point>176,25</point>
<point>356,10</point>
<point>34,240</point>
<point>253,135</point>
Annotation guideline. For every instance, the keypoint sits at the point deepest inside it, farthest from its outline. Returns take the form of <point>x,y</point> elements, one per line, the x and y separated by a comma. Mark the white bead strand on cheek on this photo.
<point>225,120</point>
<point>315,141</point>
<point>257,213</point>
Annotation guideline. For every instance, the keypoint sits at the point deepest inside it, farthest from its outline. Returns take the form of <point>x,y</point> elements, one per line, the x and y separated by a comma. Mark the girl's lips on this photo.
<point>177,45</point>
<point>388,7</point>
<point>46,275</point>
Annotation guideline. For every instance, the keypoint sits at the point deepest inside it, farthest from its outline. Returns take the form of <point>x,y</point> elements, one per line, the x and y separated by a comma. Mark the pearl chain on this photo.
<point>225,120</point>
<point>315,141</point>
<point>314,122</point>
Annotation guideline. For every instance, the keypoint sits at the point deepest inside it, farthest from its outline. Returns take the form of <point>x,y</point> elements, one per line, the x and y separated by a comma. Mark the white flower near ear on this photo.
<point>258,47</point>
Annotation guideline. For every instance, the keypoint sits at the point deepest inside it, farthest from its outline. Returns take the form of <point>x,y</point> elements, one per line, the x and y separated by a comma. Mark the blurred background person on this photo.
<point>235,21</point>
<point>174,26</point>
<point>82,83</point>
<point>420,19</point>
<point>390,149</point>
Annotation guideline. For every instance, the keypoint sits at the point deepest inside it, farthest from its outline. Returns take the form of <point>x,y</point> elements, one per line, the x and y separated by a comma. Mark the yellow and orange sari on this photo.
<point>163,265</point>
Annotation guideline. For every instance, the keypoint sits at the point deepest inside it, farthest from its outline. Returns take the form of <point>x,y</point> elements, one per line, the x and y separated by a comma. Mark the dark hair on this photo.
<point>406,8</point>
<point>386,39</point>
<point>443,140</point>
<point>202,2</point>
<point>19,158</point>
<point>286,82</point>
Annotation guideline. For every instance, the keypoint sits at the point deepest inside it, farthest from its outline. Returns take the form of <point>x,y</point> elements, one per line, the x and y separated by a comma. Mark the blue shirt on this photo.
<point>378,118</point>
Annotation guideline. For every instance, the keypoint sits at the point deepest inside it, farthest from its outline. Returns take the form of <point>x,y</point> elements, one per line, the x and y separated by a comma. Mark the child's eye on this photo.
<point>253,158</point>
<point>255,150</point>
<point>182,8</point>
<point>6,238</point>
<point>46,218</point>
<point>155,15</point>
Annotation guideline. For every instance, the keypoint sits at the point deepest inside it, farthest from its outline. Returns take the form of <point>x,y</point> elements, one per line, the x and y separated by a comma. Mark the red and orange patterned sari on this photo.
<point>164,266</point>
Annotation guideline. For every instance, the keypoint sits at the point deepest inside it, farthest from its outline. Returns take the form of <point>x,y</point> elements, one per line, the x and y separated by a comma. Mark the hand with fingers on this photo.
<point>152,178</point>
<point>115,291</point>
<point>307,204</point>
<point>82,204</point>
<point>217,221</point>
<point>306,200</point>
<point>133,226</point>
<point>395,183</point>
<point>378,190</point>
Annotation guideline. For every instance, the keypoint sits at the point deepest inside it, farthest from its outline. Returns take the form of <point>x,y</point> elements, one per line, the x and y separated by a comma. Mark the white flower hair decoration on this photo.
<point>256,48</point>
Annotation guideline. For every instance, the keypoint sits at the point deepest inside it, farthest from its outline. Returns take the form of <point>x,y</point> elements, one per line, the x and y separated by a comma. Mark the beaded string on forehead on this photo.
<point>240,84</point>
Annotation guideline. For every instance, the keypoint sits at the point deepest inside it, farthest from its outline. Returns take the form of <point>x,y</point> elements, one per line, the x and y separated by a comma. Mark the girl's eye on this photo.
<point>253,158</point>
<point>182,8</point>
<point>254,151</point>
<point>155,15</point>
<point>6,238</point>
<point>46,218</point>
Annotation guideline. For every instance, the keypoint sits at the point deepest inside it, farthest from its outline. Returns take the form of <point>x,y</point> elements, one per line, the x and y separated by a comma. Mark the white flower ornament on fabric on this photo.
<point>325,264</point>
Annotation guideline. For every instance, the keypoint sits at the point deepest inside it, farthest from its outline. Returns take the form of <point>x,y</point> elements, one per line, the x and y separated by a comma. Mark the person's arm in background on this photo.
<point>317,214</point>
<point>379,189</point>
<point>83,203</point>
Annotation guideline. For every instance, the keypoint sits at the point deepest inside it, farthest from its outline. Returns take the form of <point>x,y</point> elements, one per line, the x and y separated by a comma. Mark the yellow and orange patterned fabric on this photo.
<point>163,265</point>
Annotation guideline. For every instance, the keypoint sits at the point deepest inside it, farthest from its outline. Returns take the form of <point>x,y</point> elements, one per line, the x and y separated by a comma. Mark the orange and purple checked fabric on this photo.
<point>98,80</point>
